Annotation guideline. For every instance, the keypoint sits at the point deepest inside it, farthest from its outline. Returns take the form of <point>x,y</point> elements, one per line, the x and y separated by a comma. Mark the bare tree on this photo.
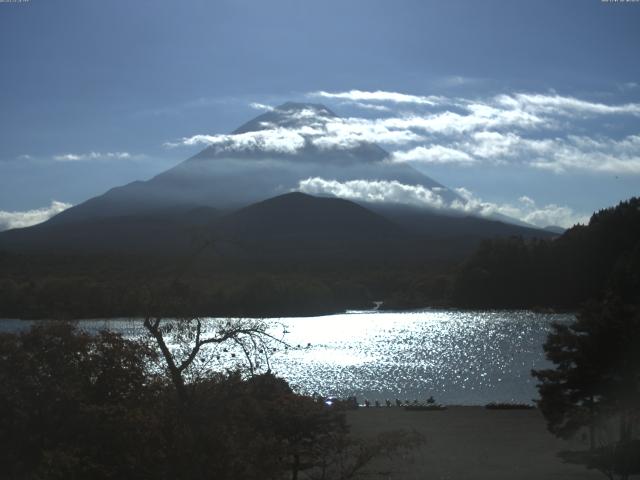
<point>189,345</point>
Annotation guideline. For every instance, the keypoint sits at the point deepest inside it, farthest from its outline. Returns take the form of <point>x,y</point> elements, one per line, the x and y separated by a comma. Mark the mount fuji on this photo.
<point>270,156</point>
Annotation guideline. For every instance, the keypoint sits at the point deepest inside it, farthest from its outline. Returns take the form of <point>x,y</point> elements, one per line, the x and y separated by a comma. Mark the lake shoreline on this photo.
<point>304,314</point>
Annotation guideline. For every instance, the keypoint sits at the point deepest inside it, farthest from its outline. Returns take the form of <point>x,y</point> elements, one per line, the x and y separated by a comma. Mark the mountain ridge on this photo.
<point>215,180</point>
<point>226,178</point>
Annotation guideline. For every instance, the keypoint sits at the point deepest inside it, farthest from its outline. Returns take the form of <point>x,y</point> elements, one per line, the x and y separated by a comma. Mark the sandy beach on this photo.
<point>471,443</point>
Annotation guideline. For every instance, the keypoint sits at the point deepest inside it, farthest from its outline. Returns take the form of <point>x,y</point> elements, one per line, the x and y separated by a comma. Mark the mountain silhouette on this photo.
<point>240,188</point>
<point>297,214</point>
<point>229,178</point>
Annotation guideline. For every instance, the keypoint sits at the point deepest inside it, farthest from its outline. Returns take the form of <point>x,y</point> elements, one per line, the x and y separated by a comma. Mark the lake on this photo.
<point>458,357</point>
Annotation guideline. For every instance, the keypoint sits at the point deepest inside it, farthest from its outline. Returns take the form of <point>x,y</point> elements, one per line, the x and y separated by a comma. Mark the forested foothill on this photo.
<point>581,265</point>
<point>503,272</point>
<point>593,389</point>
<point>94,286</point>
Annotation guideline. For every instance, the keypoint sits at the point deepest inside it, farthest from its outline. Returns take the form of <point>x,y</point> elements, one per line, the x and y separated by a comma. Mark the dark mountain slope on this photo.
<point>300,215</point>
<point>165,233</point>
<point>434,225</point>
<point>296,227</point>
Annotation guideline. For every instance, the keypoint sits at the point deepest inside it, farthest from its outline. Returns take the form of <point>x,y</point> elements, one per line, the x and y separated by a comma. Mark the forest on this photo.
<point>504,273</point>
<point>582,264</point>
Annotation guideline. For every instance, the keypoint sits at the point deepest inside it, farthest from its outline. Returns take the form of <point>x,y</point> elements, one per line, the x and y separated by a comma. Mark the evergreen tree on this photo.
<point>596,380</point>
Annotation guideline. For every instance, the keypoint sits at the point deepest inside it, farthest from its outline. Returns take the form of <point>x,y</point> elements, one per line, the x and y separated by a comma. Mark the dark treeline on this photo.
<point>582,264</point>
<point>593,390</point>
<point>91,286</point>
<point>509,272</point>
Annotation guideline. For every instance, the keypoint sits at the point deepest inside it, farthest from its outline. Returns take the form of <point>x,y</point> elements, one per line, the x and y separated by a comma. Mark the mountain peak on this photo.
<point>274,153</point>
<point>294,129</point>
<point>299,106</point>
<point>289,115</point>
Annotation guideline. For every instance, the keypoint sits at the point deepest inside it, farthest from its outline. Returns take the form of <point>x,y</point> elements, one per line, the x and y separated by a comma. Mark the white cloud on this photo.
<point>383,191</point>
<point>349,132</point>
<point>380,96</point>
<point>79,157</point>
<point>369,106</point>
<point>434,154</point>
<point>261,106</point>
<point>30,217</point>
<point>557,154</point>
<point>478,117</point>
<point>456,81</point>
<point>69,157</point>
<point>525,129</point>
<point>324,130</point>
<point>525,210</point>
<point>308,125</point>
<point>373,191</point>
<point>560,105</point>
<point>591,154</point>
<point>280,140</point>
<point>491,145</point>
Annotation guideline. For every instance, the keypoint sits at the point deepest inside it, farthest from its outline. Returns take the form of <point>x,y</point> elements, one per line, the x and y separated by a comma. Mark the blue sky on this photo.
<point>533,101</point>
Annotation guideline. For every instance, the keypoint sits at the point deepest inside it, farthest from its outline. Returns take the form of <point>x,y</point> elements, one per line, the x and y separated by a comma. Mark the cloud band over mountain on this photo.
<point>532,130</point>
<point>362,190</point>
<point>27,218</point>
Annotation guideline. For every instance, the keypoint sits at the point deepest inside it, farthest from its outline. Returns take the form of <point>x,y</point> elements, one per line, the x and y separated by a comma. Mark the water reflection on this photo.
<point>458,357</point>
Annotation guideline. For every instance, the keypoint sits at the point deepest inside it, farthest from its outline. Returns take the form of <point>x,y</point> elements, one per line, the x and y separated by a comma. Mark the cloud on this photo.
<point>590,154</point>
<point>456,81</point>
<point>383,191</point>
<point>559,155</point>
<point>379,96</point>
<point>560,105</point>
<point>525,210</point>
<point>378,191</point>
<point>261,106</point>
<point>534,130</point>
<point>350,132</point>
<point>477,117</point>
<point>80,157</point>
<point>368,106</point>
<point>491,145</point>
<point>434,154</point>
<point>280,140</point>
<point>306,126</point>
<point>27,218</point>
